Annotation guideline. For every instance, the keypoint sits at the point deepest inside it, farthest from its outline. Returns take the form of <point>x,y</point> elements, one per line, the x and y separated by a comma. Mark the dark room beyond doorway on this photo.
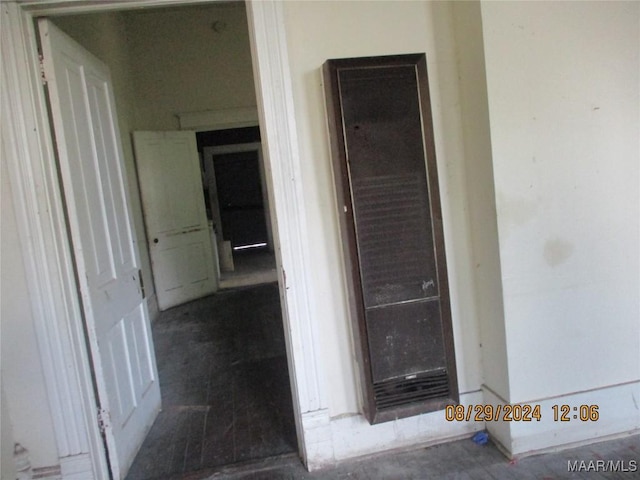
<point>237,205</point>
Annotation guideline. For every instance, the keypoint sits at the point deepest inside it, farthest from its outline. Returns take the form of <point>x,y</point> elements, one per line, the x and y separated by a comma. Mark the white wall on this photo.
<point>481,194</point>
<point>316,32</point>
<point>26,411</point>
<point>181,64</point>
<point>563,91</point>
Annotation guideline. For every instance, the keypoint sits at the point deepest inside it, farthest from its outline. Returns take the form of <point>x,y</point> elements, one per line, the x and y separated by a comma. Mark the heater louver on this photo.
<point>402,391</point>
<point>385,171</point>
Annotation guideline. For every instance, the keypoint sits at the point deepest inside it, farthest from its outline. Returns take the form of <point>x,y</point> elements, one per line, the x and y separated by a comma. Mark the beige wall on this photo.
<point>317,31</point>
<point>181,64</point>
<point>481,194</point>
<point>563,89</point>
<point>564,107</point>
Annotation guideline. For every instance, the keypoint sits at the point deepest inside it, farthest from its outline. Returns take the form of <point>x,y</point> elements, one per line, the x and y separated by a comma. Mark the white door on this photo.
<point>175,216</point>
<point>106,255</point>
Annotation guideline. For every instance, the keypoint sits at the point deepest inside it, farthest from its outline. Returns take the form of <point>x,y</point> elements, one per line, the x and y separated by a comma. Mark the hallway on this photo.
<point>225,386</point>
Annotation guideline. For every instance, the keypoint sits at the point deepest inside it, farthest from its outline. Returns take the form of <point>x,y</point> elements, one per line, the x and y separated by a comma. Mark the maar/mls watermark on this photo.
<point>621,466</point>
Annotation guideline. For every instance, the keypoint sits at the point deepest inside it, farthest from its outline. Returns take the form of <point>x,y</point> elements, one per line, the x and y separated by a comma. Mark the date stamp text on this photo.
<point>520,413</point>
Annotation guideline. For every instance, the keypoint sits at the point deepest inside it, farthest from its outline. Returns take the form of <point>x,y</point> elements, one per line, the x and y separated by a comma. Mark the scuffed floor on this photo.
<point>224,382</point>
<point>461,459</point>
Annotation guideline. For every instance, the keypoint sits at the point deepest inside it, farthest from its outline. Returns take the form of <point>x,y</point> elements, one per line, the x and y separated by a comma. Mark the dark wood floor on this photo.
<point>224,383</point>
<point>459,460</point>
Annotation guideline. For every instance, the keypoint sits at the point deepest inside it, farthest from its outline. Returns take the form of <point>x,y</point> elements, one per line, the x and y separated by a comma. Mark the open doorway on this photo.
<point>246,297</point>
<point>238,205</point>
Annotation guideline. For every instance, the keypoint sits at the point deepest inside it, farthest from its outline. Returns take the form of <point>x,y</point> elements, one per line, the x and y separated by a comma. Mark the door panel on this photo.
<point>175,216</point>
<point>95,188</point>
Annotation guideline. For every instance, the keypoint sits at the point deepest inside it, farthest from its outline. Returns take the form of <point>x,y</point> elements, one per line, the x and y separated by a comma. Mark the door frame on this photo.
<point>29,151</point>
<point>207,158</point>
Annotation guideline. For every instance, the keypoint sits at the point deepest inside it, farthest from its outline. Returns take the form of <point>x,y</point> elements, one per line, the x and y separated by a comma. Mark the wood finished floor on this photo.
<point>225,385</point>
<point>459,460</point>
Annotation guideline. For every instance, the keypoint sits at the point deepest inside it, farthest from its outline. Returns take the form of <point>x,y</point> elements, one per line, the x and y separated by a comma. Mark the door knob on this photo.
<point>155,240</point>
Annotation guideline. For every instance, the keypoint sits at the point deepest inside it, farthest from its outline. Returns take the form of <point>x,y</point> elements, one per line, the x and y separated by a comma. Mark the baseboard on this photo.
<point>332,440</point>
<point>499,431</point>
<point>618,409</point>
<point>236,280</point>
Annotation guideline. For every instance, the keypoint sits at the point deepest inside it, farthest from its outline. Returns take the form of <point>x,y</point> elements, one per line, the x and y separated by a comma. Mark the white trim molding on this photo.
<point>28,151</point>
<point>280,140</point>
<point>283,168</point>
<point>618,415</point>
<point>46,473</point>
<point>71,7</point>
<point>218,119</point>
<point>332,440</point>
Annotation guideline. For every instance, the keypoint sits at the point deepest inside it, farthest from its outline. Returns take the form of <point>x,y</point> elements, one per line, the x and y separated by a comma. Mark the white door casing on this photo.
<point>214,204</point>
<point>175,216</point>
<point>106,255</point>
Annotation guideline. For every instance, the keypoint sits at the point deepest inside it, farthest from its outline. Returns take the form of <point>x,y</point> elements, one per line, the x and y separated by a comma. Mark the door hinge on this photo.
<point>141,283</point>
<point>104,419</point>
<point>43,75</point>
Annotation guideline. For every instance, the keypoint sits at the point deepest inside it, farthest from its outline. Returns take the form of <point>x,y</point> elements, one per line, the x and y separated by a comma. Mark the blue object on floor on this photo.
<point>480,438</point>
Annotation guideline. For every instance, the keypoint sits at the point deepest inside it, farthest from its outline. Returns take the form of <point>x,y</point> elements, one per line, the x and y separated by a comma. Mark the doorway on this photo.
<point>232,318</point>
<point>53,288</point>
<point>238,205</point>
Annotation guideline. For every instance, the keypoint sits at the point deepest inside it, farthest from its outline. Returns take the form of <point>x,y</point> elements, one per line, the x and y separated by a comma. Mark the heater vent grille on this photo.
<point>403,391</point>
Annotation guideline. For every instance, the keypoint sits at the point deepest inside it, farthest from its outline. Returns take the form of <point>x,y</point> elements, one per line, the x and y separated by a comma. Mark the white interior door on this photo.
<point>95,187</point>
<point>184,266</point>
